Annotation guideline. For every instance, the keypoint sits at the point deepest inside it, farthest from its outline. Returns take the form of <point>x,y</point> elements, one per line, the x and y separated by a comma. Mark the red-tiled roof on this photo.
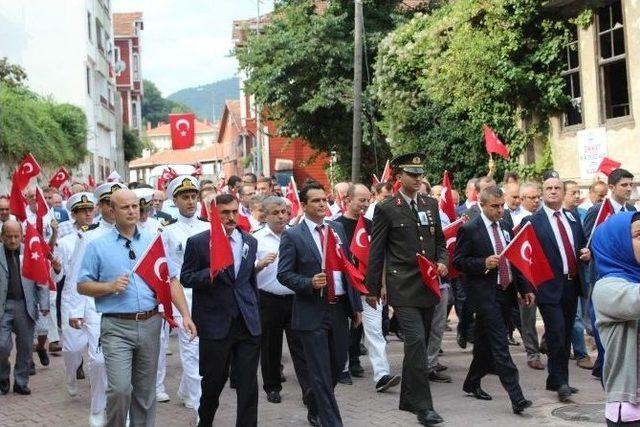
<point>124,23</point>
<point>164,129</point>
<point>179,157</point>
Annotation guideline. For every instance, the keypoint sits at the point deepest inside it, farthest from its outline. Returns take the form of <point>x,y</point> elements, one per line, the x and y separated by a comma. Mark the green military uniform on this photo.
<point>401,231</point>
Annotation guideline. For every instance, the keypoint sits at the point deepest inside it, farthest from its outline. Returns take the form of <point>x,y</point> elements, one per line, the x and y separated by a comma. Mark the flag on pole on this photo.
<point>525,253</point>
<point>17,201</point>
<point>34,261</point>
<point>386,173</point>
<point>42,208</point>
<point>220,253</point>
<point>292,196</point>
<point>336,260</point>
<point>605,211</point>
<point>446,198</point>
<point>450,236</point>
<point>608,165</point>
<point>29,168</point>
<point>493,144</point>
<point>183,130</point>
<point>154,270</point>
<point>360,244</point>
<point>60,177</point>
<point>429,272</point>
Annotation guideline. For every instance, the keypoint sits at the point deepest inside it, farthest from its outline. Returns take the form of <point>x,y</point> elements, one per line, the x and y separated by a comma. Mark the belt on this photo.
<point>142,315</point>
<point>569,278</point>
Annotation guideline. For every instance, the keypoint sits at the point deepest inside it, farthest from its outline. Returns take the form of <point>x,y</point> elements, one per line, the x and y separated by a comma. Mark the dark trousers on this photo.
<point>415,394</point>
<point>558,325</point>
<point>215,358</point>
<point>491,350</point>
<point>355,338</point>
<point>275,313</point>
<point>463,310</point>
<point>16,320</point>
<point>59,288</point>
<point>325,350</point>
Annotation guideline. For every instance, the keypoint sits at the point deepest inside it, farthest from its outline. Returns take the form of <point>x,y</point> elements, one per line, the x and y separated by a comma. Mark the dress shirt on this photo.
<point>409,199</point>
<point>468,203</point>
<point>519,215</point>
<point>106,259</point>
<point>175,237</point>
<point>268,241</point>
<point>617,206</point>
<point>170,208</point>
<point>151,225</point>
<point>489,226</point>
<point>236,247</point>
<point>255,224</point>
<point>369,213</point>
<point>337,275</point>
<point>67,227</point>
<point>556,233</point>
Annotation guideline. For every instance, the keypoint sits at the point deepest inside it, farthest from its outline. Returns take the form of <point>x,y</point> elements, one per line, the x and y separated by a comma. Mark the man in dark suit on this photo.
<point>323,324</point>
<point>471,193</point>
<point>492,293</point>
<point>227,316</point>
<point>403,226</point>
<point>563,242</point>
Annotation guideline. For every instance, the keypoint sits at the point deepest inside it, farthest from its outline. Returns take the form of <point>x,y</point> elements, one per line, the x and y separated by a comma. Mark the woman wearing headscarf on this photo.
<point>616,299</point>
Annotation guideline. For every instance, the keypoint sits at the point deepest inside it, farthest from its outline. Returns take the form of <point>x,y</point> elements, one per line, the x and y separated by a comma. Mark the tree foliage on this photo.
<point>443,75</point>
<point>155,108</point>
<point>301,68</point>
<point>131,143</point>
<point>11,75</point>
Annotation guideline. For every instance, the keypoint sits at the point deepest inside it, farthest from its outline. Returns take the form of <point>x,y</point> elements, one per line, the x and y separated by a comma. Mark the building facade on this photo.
<point>66,49</point>
<point>127,29</point>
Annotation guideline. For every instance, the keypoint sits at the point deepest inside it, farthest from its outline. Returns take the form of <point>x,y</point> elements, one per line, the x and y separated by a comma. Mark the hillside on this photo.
<point>206,99</point>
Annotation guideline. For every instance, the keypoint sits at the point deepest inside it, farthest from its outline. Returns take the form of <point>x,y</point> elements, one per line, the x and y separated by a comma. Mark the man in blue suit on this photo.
<point>226,313</point>
<point>562,239</point>
<point>323,324</point>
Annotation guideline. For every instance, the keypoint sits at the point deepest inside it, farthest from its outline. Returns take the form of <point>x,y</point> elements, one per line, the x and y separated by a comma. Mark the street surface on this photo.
<point>360,405</point>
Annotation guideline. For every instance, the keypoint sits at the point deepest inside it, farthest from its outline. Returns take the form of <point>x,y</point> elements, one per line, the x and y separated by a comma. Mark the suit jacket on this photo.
<point>299,260</point>
<point>550,292</point>
<point>214,304</point>
<point>36,295</point>
<point>473,246</point>
<point>396,239</point>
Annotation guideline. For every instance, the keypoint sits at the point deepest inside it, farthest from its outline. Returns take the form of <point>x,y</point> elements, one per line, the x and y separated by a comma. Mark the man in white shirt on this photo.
<point>276,304</point>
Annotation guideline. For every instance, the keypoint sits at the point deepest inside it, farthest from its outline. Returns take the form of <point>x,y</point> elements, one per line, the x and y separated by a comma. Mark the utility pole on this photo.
<point>258,166</point>
<point>357,95</point>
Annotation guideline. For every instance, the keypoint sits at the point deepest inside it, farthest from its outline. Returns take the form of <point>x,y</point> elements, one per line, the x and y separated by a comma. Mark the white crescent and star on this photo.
<point>61,176</point>
<point>525,252</point>
<point>28,168</point>
<point>36,238</point>
<point>186,124</point>
<point>451,241</point>
<point>157,265</point>
<point>359,234</point>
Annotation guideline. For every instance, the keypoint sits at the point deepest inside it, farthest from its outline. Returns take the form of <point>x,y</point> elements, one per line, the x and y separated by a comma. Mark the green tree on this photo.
<point>155,108</point>
<point>443,75</point>
<point>10,74</point>
<point>132,144</point>
<point>301,69</point>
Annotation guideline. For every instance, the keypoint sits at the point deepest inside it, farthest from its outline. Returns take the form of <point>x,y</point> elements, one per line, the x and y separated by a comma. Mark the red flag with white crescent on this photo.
<point>608,165</point>
<point>386,173</point>
<point>34,261</point>
<point>493,144</point>
<point>336,260</point>
<point>360,244</point>
<point>525,253</point>
<point>450,236</point>
<point>292,196</point>
<point>29,168</point>
<point>183,132</point>
<point>17,201</point>
<point>60,177</point>
<point>446,198</point>
<point>154,270</point>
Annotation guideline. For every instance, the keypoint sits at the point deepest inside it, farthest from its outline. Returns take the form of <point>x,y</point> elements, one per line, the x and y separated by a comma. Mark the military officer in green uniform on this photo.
<point>403,226</point>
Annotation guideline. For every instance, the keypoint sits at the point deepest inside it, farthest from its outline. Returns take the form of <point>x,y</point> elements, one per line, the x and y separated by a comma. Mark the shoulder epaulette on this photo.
<point>255,231</point>
<point>201,218</point>
<point>166,222</point>
<point>93,226</point>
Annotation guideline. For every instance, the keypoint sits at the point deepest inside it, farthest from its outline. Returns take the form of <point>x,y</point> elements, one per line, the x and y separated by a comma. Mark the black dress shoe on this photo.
<point>564,393</point>
<point>520,406</point>
<point>4,386</point>
<point>429,417</point>
<point>80,372</point>
<point>43,356</point>
<point>274,396</point>
<point>356,371</point>
<point>462,341</point>
<point>21,390</point>
<point>387,381</point>
<point>345,378</point>
<point>438,377</point>
<point>313,420</point>
<point>479,394</point>
<point>573,390</point>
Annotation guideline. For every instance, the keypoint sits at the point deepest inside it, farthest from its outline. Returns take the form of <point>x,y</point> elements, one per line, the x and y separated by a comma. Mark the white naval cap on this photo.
<point>145,195</point>
<point>182,183</point>
<point>83,200</point>
<point>104,191</point>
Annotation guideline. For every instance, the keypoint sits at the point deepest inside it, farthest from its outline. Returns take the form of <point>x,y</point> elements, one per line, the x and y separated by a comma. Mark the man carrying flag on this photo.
<point>225,310</point>
<point>403,226</point>
<point>493,285</point>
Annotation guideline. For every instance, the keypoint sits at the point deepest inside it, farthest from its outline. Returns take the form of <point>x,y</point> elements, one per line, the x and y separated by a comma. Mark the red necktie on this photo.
<point>572,263</point>
<point>331,287</point>
<point>503,267</point>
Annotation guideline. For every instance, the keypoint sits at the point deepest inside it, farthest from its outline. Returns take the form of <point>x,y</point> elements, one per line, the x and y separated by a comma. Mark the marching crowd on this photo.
<point>107,324</point>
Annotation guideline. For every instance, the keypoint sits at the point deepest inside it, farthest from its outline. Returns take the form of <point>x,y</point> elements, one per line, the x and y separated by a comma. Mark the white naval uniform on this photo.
<point>175,237</point>
<point>70,250</point>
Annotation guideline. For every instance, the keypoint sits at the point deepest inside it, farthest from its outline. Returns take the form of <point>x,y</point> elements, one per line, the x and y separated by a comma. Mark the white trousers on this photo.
<point>190,387</point>
<point>74,341</point>
<point>374,340</point>
<point>162,357</point>
<point>47,325</point>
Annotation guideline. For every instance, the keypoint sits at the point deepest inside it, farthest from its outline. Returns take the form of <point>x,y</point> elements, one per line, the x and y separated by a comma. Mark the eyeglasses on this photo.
<point>132,254</point>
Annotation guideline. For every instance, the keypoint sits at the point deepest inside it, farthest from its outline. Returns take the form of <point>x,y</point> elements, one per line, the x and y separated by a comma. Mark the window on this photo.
<point>88,81</point>
<point>99,36</point>
<point>136,67</point>
<point>134,115</point>
<point>612,62</point>
<point>89,33</point>
<point>572,114</point>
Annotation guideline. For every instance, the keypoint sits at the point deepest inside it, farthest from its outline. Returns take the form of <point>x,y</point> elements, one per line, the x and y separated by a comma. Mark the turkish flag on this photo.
<point>360,244</point>
<point>493,144</point>
<point>336,260</point>
<point>34,261</point>
<point>292,196</point>
<point>243,223</point>
<point>59,178</point>
<point>154,270</point>
<point>525,253</point>
<point>183,132</point>
<point>17,201</point>
<point>66,192</point>
<point>29,168</point>
<point>429,272</point>
<point>42,208</point>
<point>608,165</point>
<point>446,198</point>
<point>91,182</point>
<point>605,211</point>
<point>203,211</point>
<point>450,236</point>
<point>386,173</point>
<point>396,186</point>
<point>220,253</point>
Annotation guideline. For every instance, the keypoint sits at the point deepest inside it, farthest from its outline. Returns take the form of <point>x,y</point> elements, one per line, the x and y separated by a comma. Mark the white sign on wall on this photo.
<point>592,148</point>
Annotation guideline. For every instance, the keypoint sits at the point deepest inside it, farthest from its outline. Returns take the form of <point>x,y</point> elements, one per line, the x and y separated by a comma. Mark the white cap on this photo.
<point>81,200</point>
<point>182,183</point>
<point>145,195</point>
<point>104,191</point>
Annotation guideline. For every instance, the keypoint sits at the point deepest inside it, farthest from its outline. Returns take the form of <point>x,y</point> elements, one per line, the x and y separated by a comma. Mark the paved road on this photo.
<point>360,405</point>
